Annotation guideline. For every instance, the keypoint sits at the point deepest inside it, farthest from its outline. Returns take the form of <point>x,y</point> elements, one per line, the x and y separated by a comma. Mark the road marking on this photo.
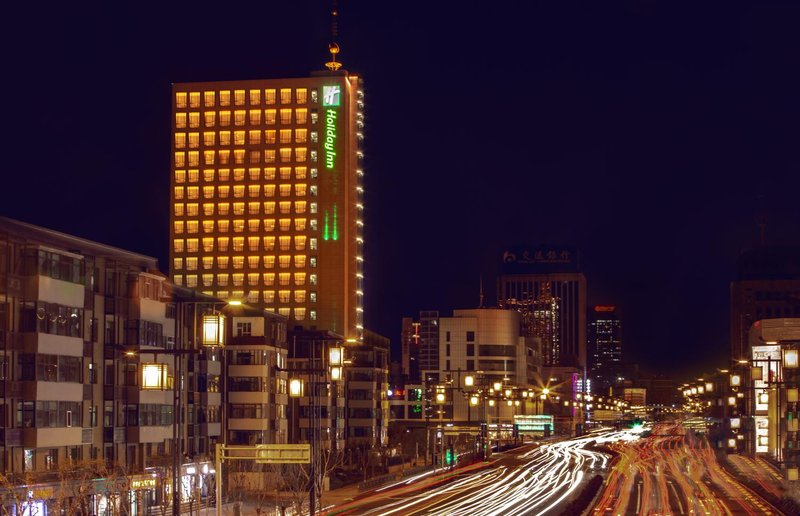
<point>638,497</point>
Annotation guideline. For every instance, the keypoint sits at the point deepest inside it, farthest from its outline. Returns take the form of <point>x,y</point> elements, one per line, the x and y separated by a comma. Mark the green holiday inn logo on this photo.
<point>331,95</point>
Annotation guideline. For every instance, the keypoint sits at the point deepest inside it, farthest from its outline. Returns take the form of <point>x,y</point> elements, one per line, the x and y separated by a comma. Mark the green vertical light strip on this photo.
<point>325,235</point>
<point>335,224</point>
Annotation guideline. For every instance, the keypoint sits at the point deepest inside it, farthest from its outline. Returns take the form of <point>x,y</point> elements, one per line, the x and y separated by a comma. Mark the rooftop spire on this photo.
<point>333,47</point>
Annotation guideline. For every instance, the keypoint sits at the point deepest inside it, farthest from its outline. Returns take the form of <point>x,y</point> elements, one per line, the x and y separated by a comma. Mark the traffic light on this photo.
<point>450,456</point>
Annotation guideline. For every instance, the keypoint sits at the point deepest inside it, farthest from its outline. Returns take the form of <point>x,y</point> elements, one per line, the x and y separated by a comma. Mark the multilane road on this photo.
<point>674,472</point>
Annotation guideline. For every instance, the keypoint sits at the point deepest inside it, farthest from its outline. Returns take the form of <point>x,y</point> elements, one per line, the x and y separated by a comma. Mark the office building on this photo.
<point>545,285</point>
<point>267,197</point>
<point>419,344</point>
<point>605,349</point>
<point>767,287</point>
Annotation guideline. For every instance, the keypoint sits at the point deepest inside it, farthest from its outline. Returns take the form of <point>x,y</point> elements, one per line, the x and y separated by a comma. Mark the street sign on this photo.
<point>283,454</point>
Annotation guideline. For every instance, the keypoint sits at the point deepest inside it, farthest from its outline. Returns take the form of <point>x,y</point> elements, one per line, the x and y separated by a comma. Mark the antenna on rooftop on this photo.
<point>333,47</point>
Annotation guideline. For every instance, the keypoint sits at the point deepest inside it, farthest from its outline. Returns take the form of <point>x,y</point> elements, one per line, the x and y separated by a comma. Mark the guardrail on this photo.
<point>377,481</point>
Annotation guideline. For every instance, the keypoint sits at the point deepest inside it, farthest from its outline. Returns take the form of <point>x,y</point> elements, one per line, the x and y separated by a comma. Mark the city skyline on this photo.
<point>652,159</point>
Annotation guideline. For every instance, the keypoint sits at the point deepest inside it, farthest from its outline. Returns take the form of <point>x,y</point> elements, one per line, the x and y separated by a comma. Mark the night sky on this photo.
<point>649,134</point>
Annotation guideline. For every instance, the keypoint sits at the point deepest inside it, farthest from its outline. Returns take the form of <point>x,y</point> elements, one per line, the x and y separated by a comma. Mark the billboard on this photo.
<point>540,259</point>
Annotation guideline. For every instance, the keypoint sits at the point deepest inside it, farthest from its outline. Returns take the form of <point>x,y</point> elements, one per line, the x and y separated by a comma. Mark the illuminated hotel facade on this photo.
<point>267,196</point>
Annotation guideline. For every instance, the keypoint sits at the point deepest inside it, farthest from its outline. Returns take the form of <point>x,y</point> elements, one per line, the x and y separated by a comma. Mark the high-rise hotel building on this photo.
<point>267,197</point>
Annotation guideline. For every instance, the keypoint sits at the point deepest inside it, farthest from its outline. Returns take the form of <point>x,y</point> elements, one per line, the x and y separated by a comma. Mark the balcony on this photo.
<point>45,391</point>
<point>248,424</point>
<point>248,397</point>
<point>148,434</point>
<point>45,288</point>
<point>37,342</point>
<point>11,436</point>
<point>210,429</point>
<point>51,437</point>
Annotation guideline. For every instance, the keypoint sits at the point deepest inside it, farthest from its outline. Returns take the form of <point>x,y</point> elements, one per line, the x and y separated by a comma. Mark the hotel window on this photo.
<point>300,224</point>
<point>269,174</point>
<point>238,208</point>
<point>208,262</point>
<point>284,296</point>
<point>313,297</point>
<point>286,116</point>
<point>208,209</point>
<point>255,117</point>
<point>284,261</point>
<point>269,190</point>
<point>285,190</point>
<point>312,279</point>
<point>178,209</point>
<point>223,294</point>
<point>192,192</point>
<point>285,206</point>
<point>180,140</point>
<point>312,262</point>
<point>253,208</point>
<point>209,138</point>
<point>238,174</point>
<point>314,117</point>
<point>286,155</point>
<point>286,135</point>
<point>194,99</point>
<point>238,97</point>
<point>299,296</point>
<point>238,137</point>
<point>177,245</point>
<point>300,278</point>
<point>210,118</point>
<point>299,314</point>
<point>191,263</point>
<point>269,296</point>
<point>300,135</point>
<point>269,279</point>
<point>313,156</point>
<point>224,157</point>
<point>269,224</point>
<point>238,244</point>
<point>208,279</point>
<point>239,116</point>
<point>208,157</point>
<point>208,98</point>
<point>194,175</point>
<point>238,191</point>
<point>300,172</point>
<point>208,192</point>
<point>208,244</point>
<point>237,279</point>
<point>223,208</point>
<point>313,190</point>
<point>254,190</point>
<point>224,137</point>
<point>180,99</point>
<point>223,190</point>
<point>224,98</point>
<point>255,97</point>
<point>238,225</point>
<point>313,224</point>
<point>300,206</point>
<point>223,225</point>
<point>312,244</point>
<point>284,278</point>
<point>284,224</point>
<point>237,262</point>
<point>286,173</point>
<point>254,173</point>
<point>224,174</point>
<point>255,156</point>
<point>178,279</point>
<point>180,159</point>
<point>269,156</point>
<point>285,243</point>
<point>237,294</point>
<point>269,243</point>
<point>177,263</point>
<point>194,140</point>
<point>180,120</point>
<point>314,136</point>
<point>269,96</point>
<point>238,156</point>
<point>269,136</point>
<point>191,245</point>
<point>313,173</point>
<point>224,118</point>
<point>300,261</point>
<point>208,175</point>
<point>252,278</point>
<point>222,262</point>
<point>208,226</point>
<point>286,95</point>
<point>300,243</point>
<point>284,311</point>
<point>300,189</point>
<point>302,95</point>
<point>253,225</point>
<point>269,208</point>
<point>301,116</point>
<point>194,158</point>
<point>252,243</point>
<point>269,116</point>
<point>222,280</point>
<point>191,280</point>
<point>269,262</point>
<point>194,119</point>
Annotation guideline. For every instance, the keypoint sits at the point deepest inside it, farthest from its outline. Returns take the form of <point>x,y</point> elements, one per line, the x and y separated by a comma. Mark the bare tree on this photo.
<point>76,484</point>
<point>15,496</point>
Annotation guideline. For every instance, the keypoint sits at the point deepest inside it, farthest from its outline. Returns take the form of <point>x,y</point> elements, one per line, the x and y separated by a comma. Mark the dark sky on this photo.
<point>646,133</point>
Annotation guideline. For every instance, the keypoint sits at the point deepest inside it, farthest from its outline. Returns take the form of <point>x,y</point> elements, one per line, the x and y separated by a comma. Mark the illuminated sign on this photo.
<point>601,308</point>
<point>330,138</point>
<point>539,423</point>
<point>143,483</point>
<point>331,95</point>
